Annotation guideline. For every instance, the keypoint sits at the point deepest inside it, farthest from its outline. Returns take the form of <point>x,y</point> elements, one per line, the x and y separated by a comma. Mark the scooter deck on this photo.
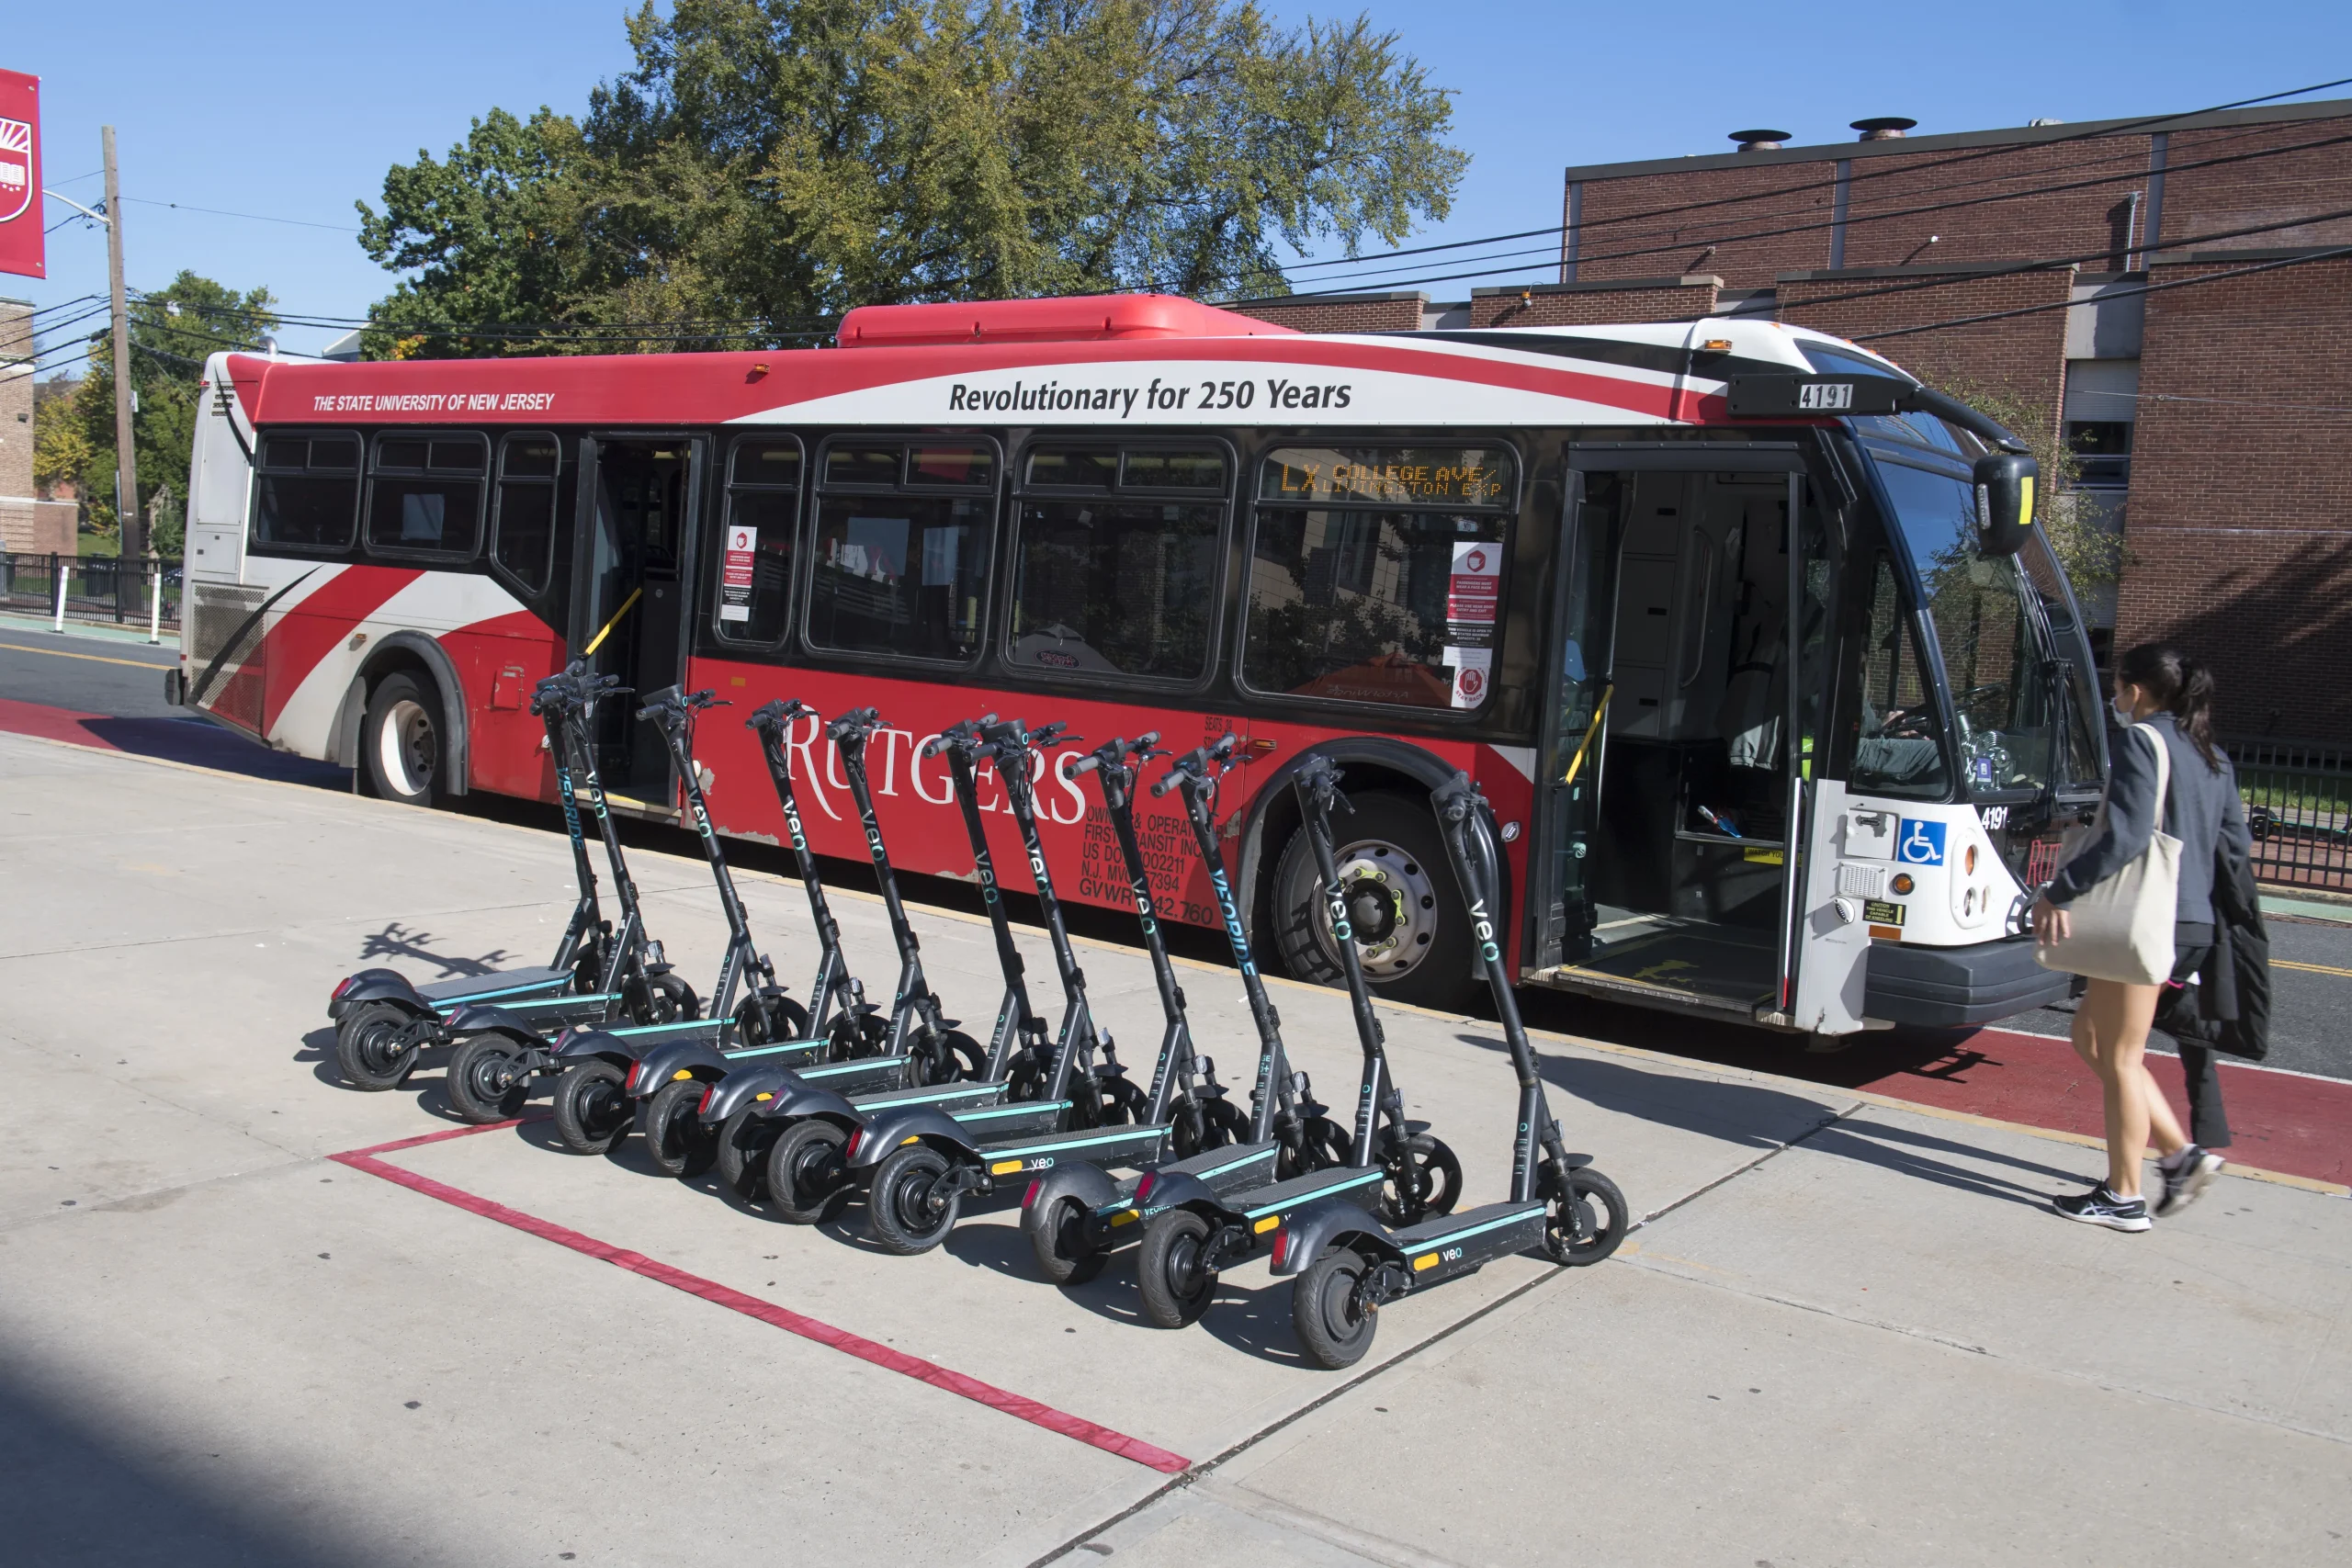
<point>1355,1183</point>
<point>1454,1244</point>
<point>1234,1168</point>
<point>504,983</point>
<point>1030,1152</point>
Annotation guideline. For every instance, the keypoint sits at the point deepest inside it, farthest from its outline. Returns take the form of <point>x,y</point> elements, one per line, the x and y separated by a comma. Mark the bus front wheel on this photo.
<point>1412,933</point>
<point>401,740</point>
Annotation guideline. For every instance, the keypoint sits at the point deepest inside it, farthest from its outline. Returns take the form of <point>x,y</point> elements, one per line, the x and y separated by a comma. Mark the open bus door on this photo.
<point>1689,673</point>
<point>632,584</point>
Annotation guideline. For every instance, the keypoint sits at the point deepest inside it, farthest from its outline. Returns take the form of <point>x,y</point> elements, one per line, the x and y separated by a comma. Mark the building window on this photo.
<point>2102,450</point>
<point>1123,580</point>
<point>424,495</point>
<point>1377,573</point>
<point>308,495</point>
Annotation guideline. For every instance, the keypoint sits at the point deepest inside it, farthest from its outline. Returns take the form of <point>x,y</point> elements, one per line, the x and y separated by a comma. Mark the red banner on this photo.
<point>21,247</point>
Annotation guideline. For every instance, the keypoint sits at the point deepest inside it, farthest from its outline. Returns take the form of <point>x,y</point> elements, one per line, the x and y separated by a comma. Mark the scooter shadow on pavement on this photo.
<point>1255,1321</point>
<point>1735,1112</point>
<point>396,942</point>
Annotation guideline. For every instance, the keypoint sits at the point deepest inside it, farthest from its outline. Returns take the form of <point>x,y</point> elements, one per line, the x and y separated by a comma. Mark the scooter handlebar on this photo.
<point>1203,763</point>
<point>857,721</point>
<point>776,712</point>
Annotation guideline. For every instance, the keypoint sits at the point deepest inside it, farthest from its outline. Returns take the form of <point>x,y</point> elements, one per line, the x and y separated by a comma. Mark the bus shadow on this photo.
<point>1759,1117</point>
<point>201,744</point>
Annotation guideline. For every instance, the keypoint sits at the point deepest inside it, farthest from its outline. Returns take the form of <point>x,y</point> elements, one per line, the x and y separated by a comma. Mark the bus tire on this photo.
<point>401,740</point>
<point>1412,930</point>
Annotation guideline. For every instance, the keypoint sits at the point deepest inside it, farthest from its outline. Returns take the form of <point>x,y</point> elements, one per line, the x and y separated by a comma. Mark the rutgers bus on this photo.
<point>1780,700</point>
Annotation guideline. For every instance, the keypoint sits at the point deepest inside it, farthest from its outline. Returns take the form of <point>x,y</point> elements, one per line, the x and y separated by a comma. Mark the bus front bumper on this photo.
<point>1947,987</point>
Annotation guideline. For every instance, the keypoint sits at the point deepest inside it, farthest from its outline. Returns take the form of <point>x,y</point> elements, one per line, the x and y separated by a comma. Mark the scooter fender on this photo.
<point>377,986</point>
<point>1334,1221</point>
<point>1088,1184</point>
<point>792,1099</point>
<point>1181,1190</point>
<point>664,1063</point>
<point>886,1134</point>
<point>480,1018</point>
<point>586,1044</point>
<point>744,1085</point>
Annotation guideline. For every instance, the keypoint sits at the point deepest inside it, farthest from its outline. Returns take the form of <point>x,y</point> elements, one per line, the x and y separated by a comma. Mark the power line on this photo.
<point>2116,294</point>
<point>253,217</point>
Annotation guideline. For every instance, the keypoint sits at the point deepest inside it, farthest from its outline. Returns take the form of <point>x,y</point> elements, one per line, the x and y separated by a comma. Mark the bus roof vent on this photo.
<point>1088,318</point>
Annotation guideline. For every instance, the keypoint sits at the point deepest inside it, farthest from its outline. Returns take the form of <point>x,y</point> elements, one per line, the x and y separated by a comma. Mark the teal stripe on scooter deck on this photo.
<point>933,1098</point>
<point>1019,1108</point>
<point>1119,1136</point>
<point>836,1069</point>
<point>1368,1177</point>
<point>1422,1244</point>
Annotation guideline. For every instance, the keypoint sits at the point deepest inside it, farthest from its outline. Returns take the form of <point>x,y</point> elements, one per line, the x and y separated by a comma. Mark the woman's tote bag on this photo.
<point>2121,929</point>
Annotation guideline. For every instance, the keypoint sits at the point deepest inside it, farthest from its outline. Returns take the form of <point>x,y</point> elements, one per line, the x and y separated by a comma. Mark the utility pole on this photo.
<point>125,468</point>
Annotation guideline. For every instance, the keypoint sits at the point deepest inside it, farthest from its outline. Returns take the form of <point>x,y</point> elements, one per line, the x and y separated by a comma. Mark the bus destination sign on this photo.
<point>1389,475</point>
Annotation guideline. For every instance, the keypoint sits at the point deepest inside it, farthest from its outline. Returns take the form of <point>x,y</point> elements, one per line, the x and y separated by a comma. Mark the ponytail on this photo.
<point>2182,685</point>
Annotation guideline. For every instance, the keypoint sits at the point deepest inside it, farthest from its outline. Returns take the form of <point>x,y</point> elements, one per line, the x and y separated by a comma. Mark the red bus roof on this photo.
<point>1095,318</point>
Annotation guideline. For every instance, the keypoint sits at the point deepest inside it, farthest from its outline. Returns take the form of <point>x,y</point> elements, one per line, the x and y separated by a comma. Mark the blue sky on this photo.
<point>292,111</point>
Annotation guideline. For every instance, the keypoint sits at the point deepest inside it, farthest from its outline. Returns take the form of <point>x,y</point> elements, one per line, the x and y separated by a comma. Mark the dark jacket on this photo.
<point>2231,1009</point>
<point>2201,809</point>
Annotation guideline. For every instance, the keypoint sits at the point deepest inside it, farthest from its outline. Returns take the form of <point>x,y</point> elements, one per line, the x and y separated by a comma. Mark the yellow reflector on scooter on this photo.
<point>1124,1217</point>
<point>1004,1168</point>
<point>764,1095</point>
<point>680,1075</point>
<point>915,1139</point>
<point>1426,1260</point>
<point>1263,1226</point>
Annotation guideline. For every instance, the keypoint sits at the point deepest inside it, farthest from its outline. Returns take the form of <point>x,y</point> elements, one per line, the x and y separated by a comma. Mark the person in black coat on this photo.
<point>2165,698</point>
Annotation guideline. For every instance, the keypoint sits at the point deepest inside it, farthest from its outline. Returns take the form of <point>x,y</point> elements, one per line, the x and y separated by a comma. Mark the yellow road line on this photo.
<point>92,657</point>
<point>2311,968</point>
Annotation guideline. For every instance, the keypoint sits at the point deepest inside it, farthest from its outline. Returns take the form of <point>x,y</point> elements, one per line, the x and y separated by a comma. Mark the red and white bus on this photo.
<point>1781,718</point>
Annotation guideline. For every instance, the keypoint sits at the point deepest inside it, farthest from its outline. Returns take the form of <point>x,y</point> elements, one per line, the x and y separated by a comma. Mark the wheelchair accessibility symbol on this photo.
<point>1920,843</point>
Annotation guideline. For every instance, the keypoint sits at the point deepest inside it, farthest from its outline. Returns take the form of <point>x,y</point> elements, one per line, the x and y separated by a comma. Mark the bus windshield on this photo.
<point>1978,609</point>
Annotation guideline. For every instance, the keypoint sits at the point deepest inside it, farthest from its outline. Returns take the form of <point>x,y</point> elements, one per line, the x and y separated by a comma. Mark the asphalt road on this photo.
<point>123,679</point>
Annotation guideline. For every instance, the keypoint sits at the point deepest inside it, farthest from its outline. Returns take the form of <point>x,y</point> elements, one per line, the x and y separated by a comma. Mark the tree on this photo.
<point>172,331</point>
<point>2093,554</point>
<point>769,162</point>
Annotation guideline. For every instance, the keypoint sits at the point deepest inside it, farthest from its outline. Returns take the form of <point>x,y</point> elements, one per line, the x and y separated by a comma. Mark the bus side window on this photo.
<point>1120,581</point>
<point>900,559</point>
<point>522,527</point>
<point>424,493</point>
<point>1897,750</point>
<point>308,495</point>
<point>753,565</point>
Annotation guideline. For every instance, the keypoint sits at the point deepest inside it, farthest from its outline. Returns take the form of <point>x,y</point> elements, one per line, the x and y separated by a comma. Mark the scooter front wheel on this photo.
<point>372,1047</point>
<point>768,1017</point>
<point>1586,1226</point>
<point>743,1142</point>
<point>1057,1235</point>
<point>1173,1270</point>
<point>807,1184</point>
<point>906,1211</point>
<point>591,1111</point>
<point>1334,1324</point>
<point>676,1140</point>
<point>483,1083</point>
<point>1425,1181</point>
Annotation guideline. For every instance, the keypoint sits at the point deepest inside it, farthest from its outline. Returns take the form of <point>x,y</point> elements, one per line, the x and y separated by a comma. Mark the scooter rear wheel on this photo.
<point>904,1211</point>
<point>483,1084</point>
<point>675,1139</point>
<point>370,1049</point>
<point>1600,1222</point>
<point>806,1183</point>
<point>1332,1328</point>
<point>1057,1235</point>
<point>591,1111</point>
<point>1173,1270</point>
<point>743,1143</point>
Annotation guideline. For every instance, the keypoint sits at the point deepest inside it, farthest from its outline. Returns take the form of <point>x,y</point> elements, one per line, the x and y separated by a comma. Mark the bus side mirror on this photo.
<point>2005,499</point>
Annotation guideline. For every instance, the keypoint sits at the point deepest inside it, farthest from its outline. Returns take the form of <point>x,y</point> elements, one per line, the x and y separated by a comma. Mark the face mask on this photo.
<point>2122,711</point>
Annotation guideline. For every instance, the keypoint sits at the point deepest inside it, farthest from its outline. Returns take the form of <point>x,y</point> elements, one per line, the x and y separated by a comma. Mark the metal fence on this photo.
<point>101,588</point>
<point>2298,799</point>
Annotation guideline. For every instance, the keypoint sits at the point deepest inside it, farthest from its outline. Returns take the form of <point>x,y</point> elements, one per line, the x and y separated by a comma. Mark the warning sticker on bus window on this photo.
<point>1472,669</point>
<point>735,574</point>
<point>1474,592</point>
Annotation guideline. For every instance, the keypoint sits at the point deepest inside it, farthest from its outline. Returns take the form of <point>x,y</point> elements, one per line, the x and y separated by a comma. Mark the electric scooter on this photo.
<point>919,1164</point>
<point>1077,1213</point>
<point>810,1173</point>
<point>1349,1264</point>
<point>1393,1166</point>
<point>383,1020</point>
<point>668,1082</point>
<point>752,1107</point>
<point>593,1107</point>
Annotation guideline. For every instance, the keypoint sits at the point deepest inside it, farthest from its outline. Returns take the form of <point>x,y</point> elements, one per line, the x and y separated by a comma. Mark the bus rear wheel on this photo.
<point>401,740</point>
<point>1412,933</point>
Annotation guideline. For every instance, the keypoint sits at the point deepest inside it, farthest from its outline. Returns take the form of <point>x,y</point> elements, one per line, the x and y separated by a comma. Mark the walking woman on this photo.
<point>2161,697</point>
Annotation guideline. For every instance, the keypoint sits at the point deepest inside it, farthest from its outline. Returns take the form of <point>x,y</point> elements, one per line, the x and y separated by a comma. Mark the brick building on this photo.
<point>2213,420</point>
<point>28,522</point>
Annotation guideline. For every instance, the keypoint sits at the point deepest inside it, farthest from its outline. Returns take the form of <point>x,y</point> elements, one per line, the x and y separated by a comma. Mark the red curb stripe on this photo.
<point>442,1136</point>
<point>848,1344</point>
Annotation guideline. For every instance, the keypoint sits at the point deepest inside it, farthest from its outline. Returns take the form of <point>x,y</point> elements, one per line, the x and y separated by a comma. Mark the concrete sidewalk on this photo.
<point>1849,1332</point>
